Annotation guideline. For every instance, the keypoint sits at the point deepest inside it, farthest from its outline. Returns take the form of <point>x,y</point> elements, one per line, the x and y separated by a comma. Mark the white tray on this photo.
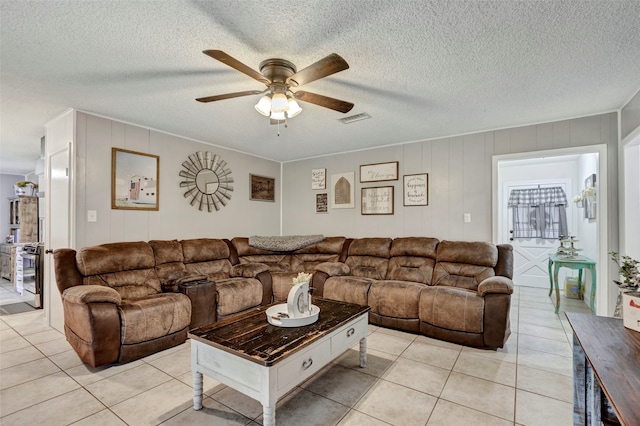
<point>272,316</point>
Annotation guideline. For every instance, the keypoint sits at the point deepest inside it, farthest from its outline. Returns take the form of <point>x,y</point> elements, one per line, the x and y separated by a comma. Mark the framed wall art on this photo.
<point>262,188</point>
<point>343,189</point>
<point>134,180</point>
<point>377,200</point>
<point>415,190</point>
<point>379,172</point>
<point>207,181</point>
<point>322,203</point>
<point>318,178</point>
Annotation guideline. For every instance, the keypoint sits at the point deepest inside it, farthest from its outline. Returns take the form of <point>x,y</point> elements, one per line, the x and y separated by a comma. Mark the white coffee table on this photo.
<point>264,361</point>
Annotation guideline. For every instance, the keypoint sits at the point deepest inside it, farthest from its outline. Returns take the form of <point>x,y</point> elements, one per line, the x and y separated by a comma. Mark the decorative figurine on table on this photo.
<point>567,248</point>
<point>298,311</point>
<point>299,299</point>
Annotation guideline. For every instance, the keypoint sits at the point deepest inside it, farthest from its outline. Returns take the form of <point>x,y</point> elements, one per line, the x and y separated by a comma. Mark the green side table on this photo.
<point>579,262</point>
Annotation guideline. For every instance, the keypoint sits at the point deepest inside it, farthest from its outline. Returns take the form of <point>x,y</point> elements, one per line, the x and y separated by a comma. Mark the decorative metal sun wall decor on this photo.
<point>208,181</point>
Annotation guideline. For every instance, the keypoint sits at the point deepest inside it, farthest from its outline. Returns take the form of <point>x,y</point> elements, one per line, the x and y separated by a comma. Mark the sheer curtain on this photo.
<point>539,212</point>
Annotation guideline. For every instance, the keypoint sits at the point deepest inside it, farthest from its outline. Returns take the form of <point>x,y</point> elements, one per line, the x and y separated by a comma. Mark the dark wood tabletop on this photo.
<point>614,354</point>
<point>250,335</point>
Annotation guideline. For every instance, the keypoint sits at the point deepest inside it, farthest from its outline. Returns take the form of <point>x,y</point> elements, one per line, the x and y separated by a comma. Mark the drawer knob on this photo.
<point>351,332</point>
<point>306,364</point>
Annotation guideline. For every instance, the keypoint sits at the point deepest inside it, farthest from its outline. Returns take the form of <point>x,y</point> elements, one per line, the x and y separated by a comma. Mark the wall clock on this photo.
<point>207,180</point>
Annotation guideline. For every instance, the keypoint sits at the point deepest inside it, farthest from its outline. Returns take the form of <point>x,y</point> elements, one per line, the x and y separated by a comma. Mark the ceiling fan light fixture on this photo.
<point>277,115</point>
<point>264,106</point>
<point>294,108</point>
<point>279,103</point>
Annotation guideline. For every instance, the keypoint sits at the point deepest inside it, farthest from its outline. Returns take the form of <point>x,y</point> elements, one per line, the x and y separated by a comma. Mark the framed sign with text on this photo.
<point>415,190</point>
<point>377,200</point>
<point>379,172</point>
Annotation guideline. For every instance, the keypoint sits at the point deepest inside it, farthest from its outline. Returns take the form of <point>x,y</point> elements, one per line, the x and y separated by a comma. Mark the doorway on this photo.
<point>565,168</point>
<point>531,254</point>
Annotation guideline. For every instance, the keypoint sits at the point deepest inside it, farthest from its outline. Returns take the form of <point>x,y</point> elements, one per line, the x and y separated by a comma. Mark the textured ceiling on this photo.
<point>421,69</point>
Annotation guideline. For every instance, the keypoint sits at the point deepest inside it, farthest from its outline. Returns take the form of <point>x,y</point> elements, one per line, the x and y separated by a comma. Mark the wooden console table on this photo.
<point>606,362</point>
<point>580,262</point>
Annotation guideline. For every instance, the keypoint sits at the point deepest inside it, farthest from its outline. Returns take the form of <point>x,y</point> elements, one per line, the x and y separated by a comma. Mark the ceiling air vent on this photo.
<point>357,117</point>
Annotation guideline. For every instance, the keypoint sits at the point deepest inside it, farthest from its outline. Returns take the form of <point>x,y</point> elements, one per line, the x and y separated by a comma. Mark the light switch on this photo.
<point>92,216</point>
<point>467,217</point>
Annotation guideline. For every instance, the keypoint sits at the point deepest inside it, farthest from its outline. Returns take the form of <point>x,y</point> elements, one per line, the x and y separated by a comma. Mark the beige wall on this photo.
<point>459,171</point>
<point>630,116</point>
<point>176,218</point>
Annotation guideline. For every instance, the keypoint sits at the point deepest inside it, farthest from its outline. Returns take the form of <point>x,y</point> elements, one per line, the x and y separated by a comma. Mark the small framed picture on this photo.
<point>415,190</point>
<point>343,190</point>
<point>379,172</point>
<point>322,203</point>
<point>377,200</point>
<point>134,180</point>
<point>318,178</point>
<point>262,188</point>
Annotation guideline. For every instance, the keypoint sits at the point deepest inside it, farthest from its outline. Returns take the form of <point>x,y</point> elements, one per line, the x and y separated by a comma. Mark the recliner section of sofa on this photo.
<point>451,290</point>
<point>114,307</point>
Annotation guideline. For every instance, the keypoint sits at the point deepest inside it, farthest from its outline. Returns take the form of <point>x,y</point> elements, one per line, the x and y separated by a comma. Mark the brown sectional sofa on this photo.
<point>123,301</point>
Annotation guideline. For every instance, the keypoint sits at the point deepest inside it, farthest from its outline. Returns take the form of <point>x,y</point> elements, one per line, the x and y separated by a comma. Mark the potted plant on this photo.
<point>25,188</point>
<point>629,270</point>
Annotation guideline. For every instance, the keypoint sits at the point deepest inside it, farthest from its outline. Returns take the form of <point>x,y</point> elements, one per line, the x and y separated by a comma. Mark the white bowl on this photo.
<point>274,319</point>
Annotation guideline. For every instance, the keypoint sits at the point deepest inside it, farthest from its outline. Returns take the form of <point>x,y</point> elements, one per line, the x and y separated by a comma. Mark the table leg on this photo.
<point>269,415</point>
<point>550,277</point>
<point>592,268</point>
<point>363,352</point>
<point>555,283</point>
<point>197,390</point>
<point>580,287</point>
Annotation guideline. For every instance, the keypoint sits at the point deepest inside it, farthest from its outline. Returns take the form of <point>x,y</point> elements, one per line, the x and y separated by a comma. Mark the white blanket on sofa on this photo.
<point>285,242</point>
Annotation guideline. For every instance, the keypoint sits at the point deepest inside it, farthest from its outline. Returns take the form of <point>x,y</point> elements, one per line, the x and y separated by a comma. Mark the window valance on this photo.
<point>538,196</point>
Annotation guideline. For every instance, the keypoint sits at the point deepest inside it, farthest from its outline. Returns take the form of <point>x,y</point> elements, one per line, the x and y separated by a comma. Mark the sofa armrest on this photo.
<point>248,270</point>
<point>495,285</point>
<point>333,269</point>
<point>83,294</point>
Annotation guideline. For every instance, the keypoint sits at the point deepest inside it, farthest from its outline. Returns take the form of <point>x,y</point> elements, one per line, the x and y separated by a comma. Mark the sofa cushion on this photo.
<point>206,256</point>
<point>452,308</point>
<point>460,275</point>
<point>237,294</point>
<point>369,258</point>
<point>378,247</point>
<point>126,267</point>
<point>327,250</point>
<point>347,289</point>
<point>154,316</point>
<point>414,246</point>
<point>169,260</point>
<point>464,264</point>
<point>473,253</point>
<point>281,284</point>
<point>396,299</point>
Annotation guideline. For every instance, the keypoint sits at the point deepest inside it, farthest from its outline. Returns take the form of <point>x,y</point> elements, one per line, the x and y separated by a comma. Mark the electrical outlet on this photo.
<point>467,217</point>
<point>92,216</point>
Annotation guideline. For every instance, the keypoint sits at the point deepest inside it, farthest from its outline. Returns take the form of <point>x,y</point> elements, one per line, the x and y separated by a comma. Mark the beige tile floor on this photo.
<point>409,380</point>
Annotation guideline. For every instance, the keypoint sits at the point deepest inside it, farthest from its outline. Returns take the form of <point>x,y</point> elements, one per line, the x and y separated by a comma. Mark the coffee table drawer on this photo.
<point>348,336</point>
<point>303,365</point>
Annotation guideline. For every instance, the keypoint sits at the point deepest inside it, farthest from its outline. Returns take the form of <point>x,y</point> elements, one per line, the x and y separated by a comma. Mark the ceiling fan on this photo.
<point>281,76</point>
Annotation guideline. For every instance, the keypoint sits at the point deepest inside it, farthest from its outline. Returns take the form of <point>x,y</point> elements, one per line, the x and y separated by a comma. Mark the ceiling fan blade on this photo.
<point>323,68</point>
<point>323,101</point>
<point>229,96</point>
<point>219,55</point>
